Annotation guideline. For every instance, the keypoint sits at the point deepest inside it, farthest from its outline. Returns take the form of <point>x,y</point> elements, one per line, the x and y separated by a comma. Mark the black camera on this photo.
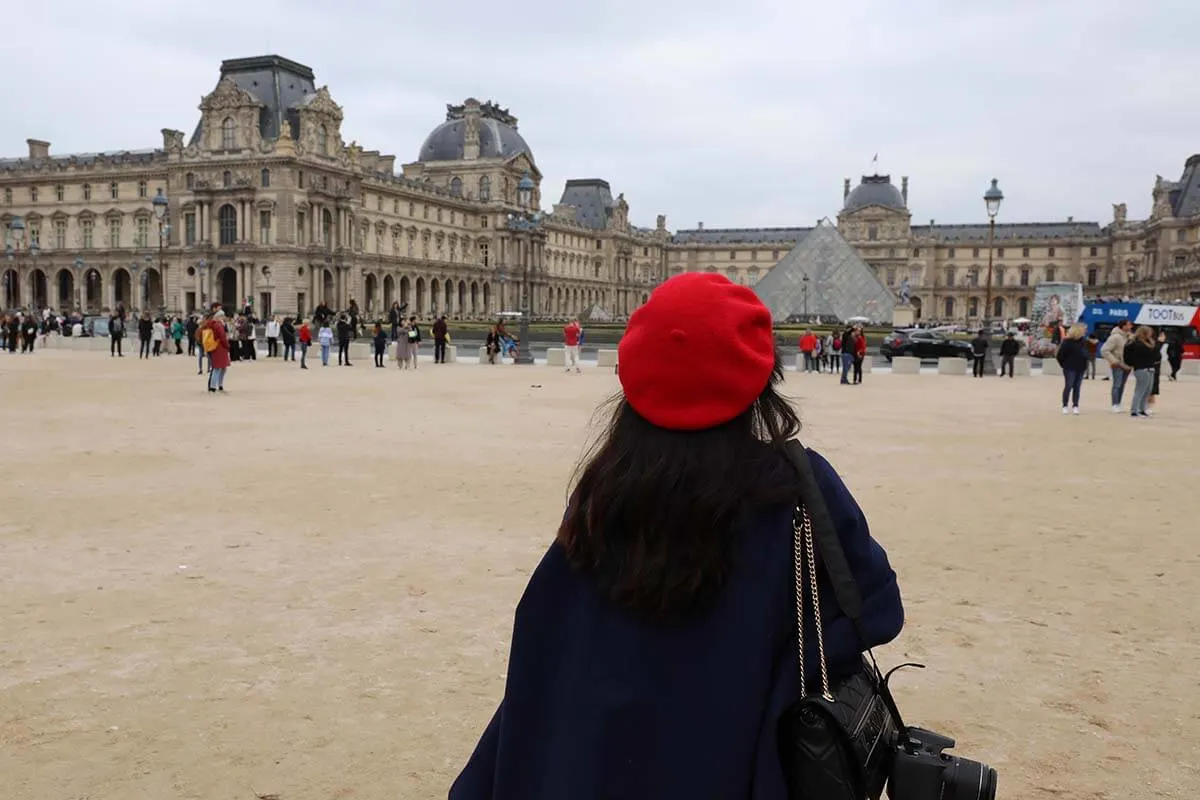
<point>921,771</point>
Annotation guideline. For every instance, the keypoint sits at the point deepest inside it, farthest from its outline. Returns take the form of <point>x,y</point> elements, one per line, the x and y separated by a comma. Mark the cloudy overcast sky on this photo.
<point>737,114</point>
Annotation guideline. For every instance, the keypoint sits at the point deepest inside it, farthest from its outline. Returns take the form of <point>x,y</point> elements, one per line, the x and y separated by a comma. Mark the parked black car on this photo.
<point>917,343</point>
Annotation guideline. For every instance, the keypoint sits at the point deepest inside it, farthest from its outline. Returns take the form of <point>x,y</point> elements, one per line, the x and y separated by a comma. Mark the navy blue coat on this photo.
<point>599,705</point>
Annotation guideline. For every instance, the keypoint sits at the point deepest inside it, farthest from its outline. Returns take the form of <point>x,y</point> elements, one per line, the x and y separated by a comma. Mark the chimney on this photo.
<point>699,226</point>
<point>904,188</point>
<point>387,164</point>
<point>845,189</point>
<point>661,223</point>
<point>38,148</point>
<point>472,114</point>
<point>1070,219</point>
<point>931,222</point>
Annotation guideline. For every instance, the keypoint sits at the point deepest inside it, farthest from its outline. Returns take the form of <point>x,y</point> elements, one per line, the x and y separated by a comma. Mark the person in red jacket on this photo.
<point>808,346</point>
<point>571,334</point>
<point>304,334</point>
<point>860,353</point>
<point>218,358</point>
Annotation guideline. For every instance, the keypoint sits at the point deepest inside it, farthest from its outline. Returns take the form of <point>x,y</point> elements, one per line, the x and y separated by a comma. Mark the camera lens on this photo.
<point>968,780</point>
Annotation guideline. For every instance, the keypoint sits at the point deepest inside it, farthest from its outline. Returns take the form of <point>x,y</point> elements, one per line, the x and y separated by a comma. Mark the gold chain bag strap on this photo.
<point>835,744</point>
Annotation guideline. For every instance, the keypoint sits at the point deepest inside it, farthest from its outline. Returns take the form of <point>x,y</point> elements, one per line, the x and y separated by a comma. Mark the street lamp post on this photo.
<point>202,271</point>
<point>992,199</point>
<point>160,213</point>
<point>524,224</point>
<point>79,265</point>
<point>16,230</point>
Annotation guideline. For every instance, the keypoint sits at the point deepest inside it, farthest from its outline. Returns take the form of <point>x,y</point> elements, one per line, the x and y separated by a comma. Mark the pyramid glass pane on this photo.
<point>840,284</point>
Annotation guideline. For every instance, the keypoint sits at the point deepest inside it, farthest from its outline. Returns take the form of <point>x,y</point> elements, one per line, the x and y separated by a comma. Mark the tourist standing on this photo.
<point>492,345</point>
<point>190,329</point>
<point>1113,352</point>
<point>251,352</point>
<point>198,345</point>
<point>272,337</point>
<point>1072,356</point>
<point>847,348</point>
<point>835,354</point>
<point>860,353</point>
<point>1140,356</point>
<point>1092,345</point>
<point>571,336</point>
<point>287,332</point>
<point>177,335</point>
<point>808,347</point>
<point>979,348</point>
<point>29,331</point>
<point>380,344</point>
<point>343,340</point>
<point>1008,353</point>
<point>441,333</point>
<point>304,336</point>
<point>145,331</point>
<point>1161,343</point>
<point>158,333</point>
<point>218,358</point>
<point>654,650</point>
<point>395,318</point>
<point>414,340</point>
<point>353,314</point>
<point>325,337</point>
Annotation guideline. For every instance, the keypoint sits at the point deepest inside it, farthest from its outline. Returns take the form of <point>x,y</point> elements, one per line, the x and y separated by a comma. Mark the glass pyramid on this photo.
<point>840,284</point>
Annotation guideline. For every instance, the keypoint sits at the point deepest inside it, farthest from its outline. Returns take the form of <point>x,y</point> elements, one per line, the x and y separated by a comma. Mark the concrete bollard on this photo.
<point>952,366</point>
<point>906,365</point>
<point>1051,367</point>
<point>606,358</point>
<point>866,365</point>
<point>483,356</point>
<point>556,356</point>
<point>452,354</point>
<point>1023,366</point>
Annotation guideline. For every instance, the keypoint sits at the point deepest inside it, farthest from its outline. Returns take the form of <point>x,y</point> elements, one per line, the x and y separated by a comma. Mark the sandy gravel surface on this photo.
<point>306,587</point>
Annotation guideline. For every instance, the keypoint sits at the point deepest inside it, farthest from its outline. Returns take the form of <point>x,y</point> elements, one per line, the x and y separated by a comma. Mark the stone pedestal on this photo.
<point>1190,367</point>
<point>906,365</point>
<point>866,365</point>
<point>1051,367</point>
<point>903,316</point>
<point>952,366</point>
<point>452,354</point>
<point>1022,366</point>
<point>483,357</point>
<point>556,356</point>
<point>606,358</point>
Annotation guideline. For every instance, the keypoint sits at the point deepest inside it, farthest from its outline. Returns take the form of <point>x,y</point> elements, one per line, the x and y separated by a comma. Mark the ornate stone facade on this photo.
<point>267,202</point>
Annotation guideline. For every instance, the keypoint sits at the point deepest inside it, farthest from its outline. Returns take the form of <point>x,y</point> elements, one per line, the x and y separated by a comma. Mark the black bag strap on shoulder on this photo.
<point>845,588</point>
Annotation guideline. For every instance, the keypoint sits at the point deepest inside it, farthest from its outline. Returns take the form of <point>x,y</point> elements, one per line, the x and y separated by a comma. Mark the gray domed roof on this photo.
<point>496,140</point>
<point>875,190</point>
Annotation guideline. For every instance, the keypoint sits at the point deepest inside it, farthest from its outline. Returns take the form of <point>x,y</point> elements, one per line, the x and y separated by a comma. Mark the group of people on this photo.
<point>19,330</point>
<point>1139,352</point>
<point>846,351</point>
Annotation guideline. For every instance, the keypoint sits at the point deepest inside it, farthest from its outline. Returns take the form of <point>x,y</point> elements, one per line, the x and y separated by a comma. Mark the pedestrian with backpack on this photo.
<point>215,342</point>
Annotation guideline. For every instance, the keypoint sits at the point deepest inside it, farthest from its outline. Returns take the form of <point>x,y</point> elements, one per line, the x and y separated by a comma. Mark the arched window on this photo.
<point>456,187</point>
<point>264,178</point>
<point>228,134</point>
<point>998,308</point>
<point>227,179</point>
<point>227,217</point>
<point>485,189</point>
<point>323,140</point>
<point>949,308</point>
<point>1023,307</point>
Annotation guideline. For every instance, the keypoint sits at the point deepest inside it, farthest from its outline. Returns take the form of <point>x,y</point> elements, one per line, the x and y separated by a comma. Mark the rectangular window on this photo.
<point>395,206</point>
<point>142,189</point>
<point>35,234</point>
<point>8,197</point>
<point>975,252</point>
<point>300,179</point>
<point>774,255</point>
<point>60,234</point>
<point>891,276</point>
<point>1024,277</point>
<point>33,194</point>
<point>425,212</point>
<point>1093,252</point>
<point>411,209</point>
<point>999,252</point>
<point>1180,236</point>
<point>439,215</point>
<point>59,193</point>
<point>143,232</point>
<point>301,228</point>
<point>264,227</point>
<point>1024,252</point>
<point>483,221</point>
<point>86,231</point>
<point>301,300</point>
<point>916,252</point>
<point>379,202</point>
<point>189,229</point>
<point>114,233</point>
<point>87,193</point>
<point>872,233</point>
<point>950,253</point>
<point>732,255</point>
<point>483,253</point>
<point>114,189</point>
<point>1051,252</point>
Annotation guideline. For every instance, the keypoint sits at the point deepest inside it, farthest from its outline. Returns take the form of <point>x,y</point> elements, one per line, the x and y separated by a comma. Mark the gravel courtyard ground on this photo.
<point>305,588</point>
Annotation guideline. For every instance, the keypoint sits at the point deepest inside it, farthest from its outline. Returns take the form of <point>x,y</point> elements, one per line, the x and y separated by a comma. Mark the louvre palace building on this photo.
<point>265,202</point>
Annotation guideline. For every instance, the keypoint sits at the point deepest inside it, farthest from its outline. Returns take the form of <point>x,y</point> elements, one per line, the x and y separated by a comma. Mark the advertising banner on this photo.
<point>1056,307</point>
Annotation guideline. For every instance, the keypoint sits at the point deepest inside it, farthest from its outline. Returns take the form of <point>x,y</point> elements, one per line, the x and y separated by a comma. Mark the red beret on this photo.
<point>698,353</point>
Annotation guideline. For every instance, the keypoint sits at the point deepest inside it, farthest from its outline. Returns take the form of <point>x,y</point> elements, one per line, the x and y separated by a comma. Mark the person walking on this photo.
<point>571,337</point>
<point>659,628</point>
<point>1009,349</point>
<point>158,334</point>
<point>402,345</point>
<point>847,348</point>
<point>860,353</point>
<point>29,331</point>
<point>835,353</point>
<point>218,356</point>
<point>325,337</point>
<point>1140,356</point>
<point>979,349</point>
<point>251,341</point>
<point>440,332</point>
<point>380,342</point>
<point>197,345</point>
<point>1113,352</point>
<point>272,331</point>
<point>808,346</point>
<point>1092,345</point>
<point>145,332</point>
<point>344,332</point>
<point>177,335</point>
<point>1161,344</point>
<point>1175,356</point>
<point>287,332</point>
<point>304,336</point>
<point>1072,356</point>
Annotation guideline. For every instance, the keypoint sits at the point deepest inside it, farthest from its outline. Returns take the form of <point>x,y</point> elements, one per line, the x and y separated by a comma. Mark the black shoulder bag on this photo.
<point>835,743</point>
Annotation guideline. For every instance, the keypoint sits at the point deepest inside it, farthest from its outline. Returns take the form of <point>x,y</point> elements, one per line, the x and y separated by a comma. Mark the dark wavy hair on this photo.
<point>654,511</point>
